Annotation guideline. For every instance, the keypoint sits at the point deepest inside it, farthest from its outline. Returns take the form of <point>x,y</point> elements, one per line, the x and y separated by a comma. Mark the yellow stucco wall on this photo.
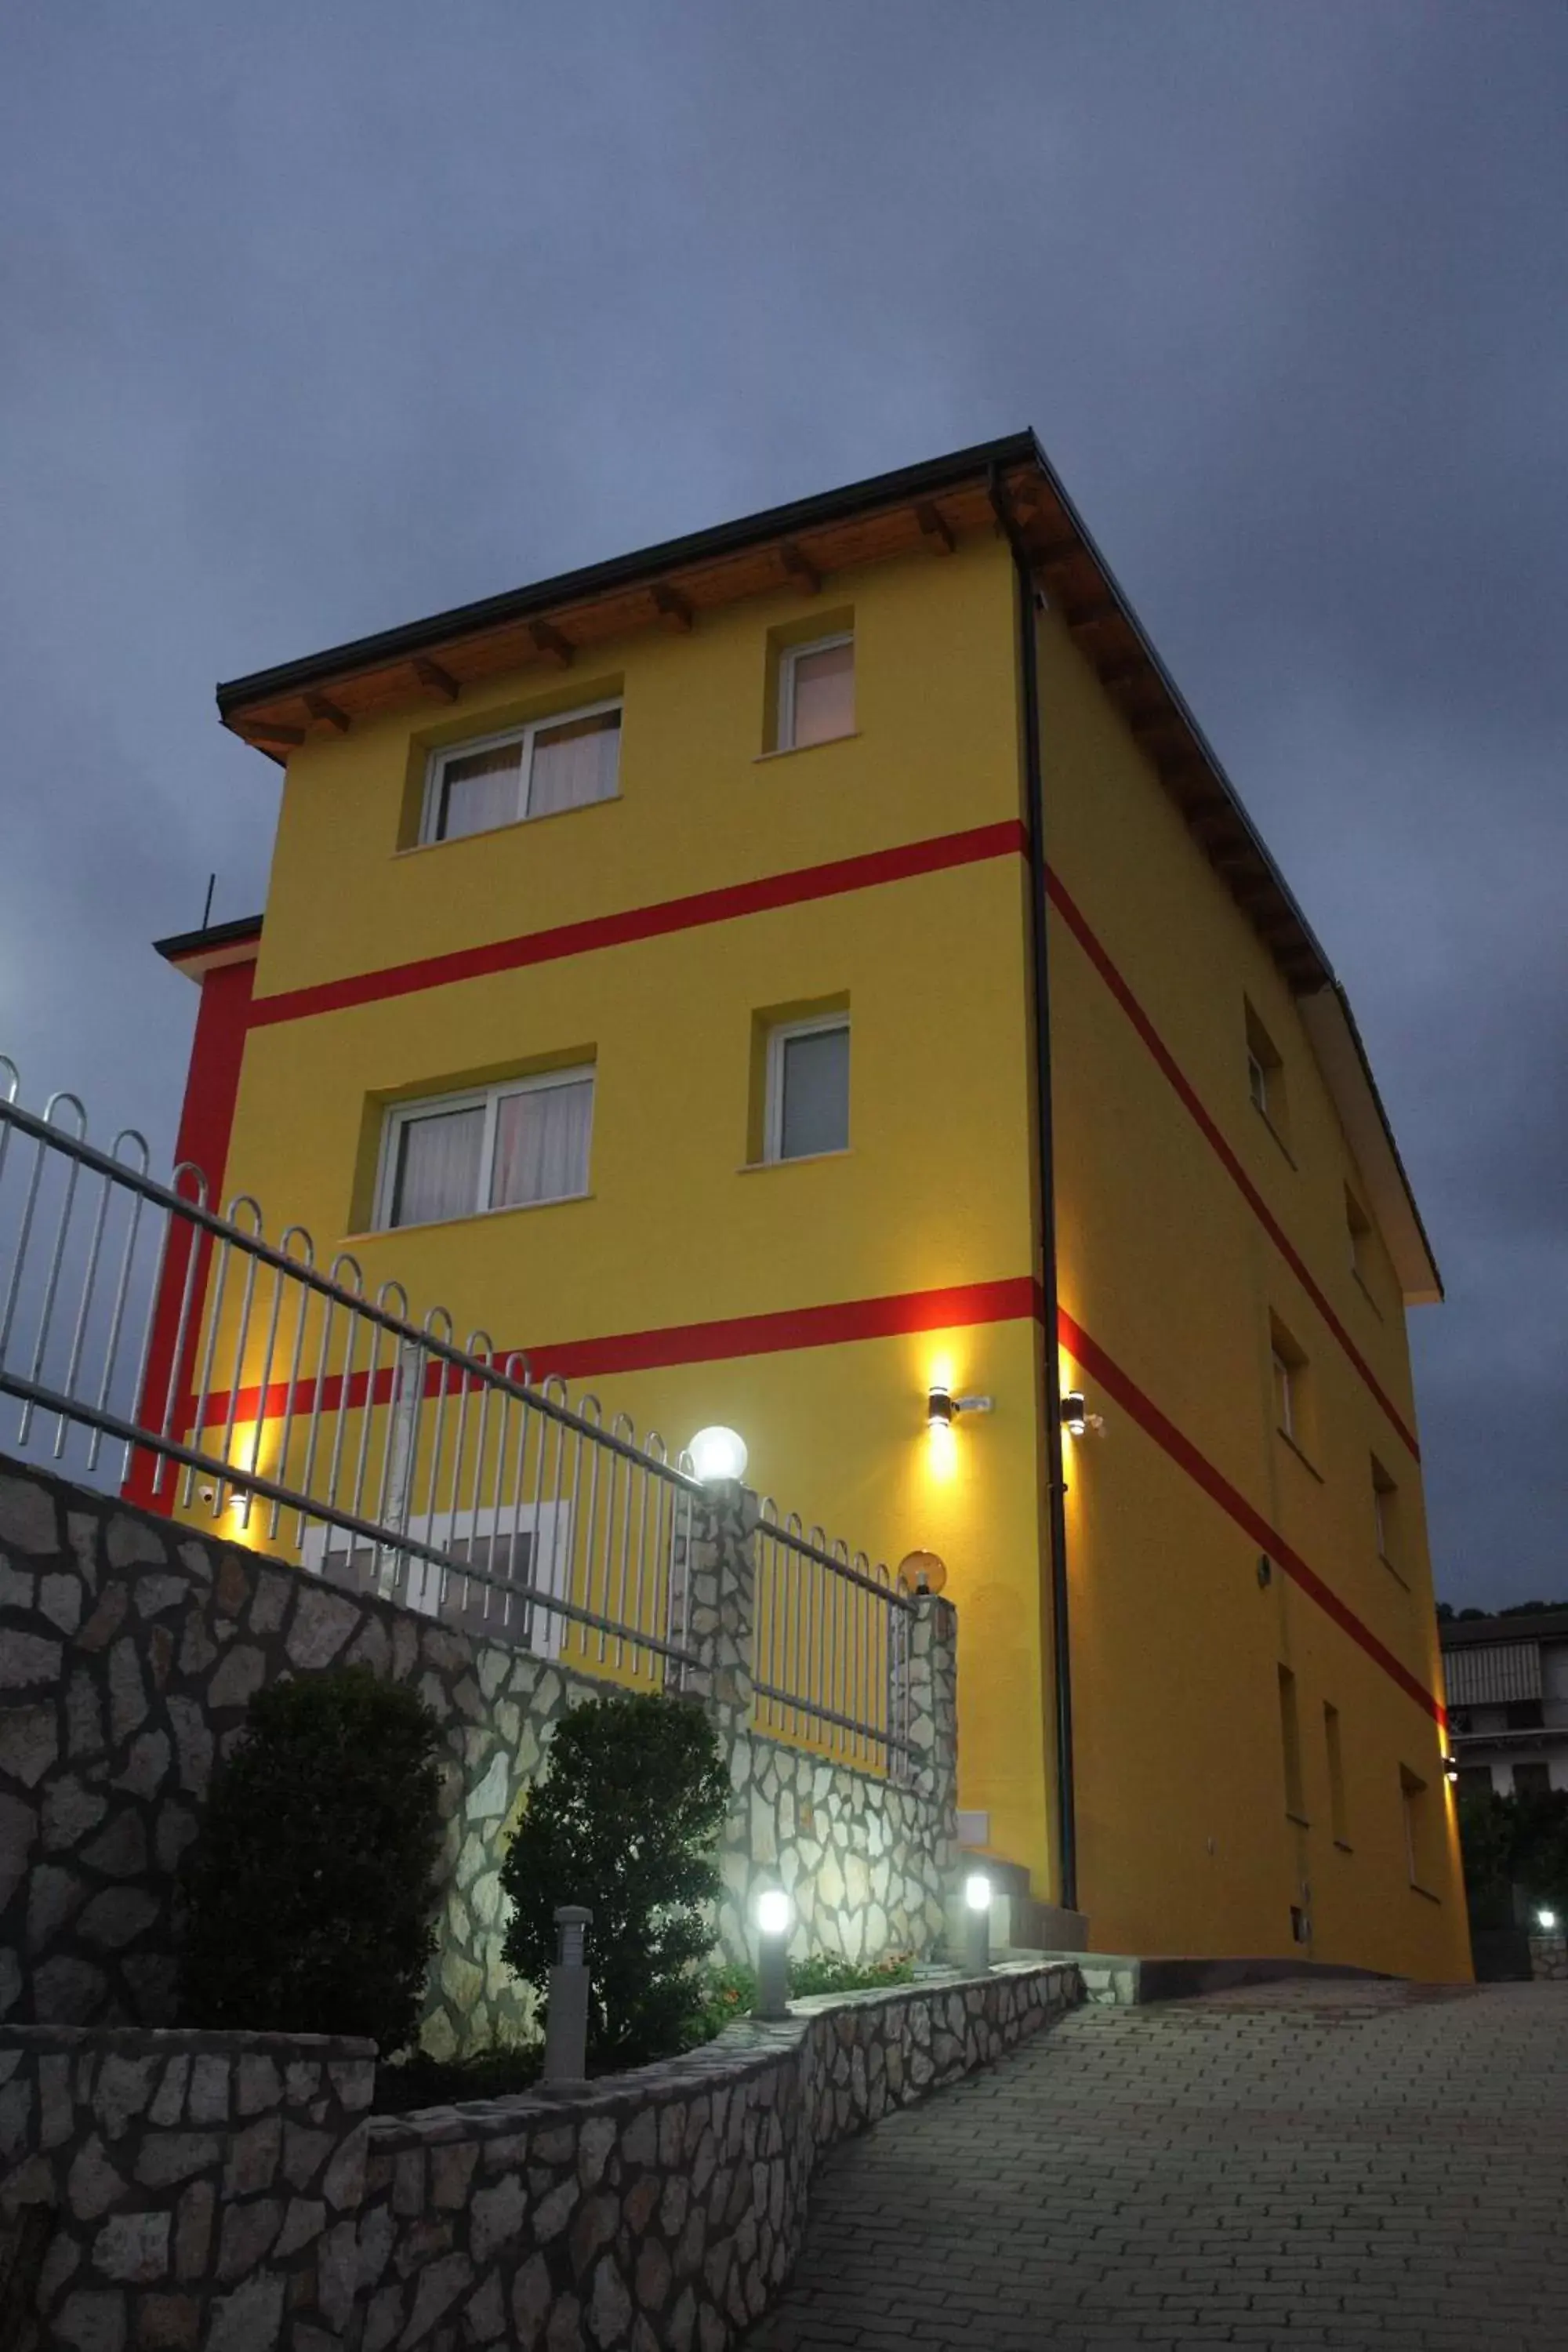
<point>1175,1648</point>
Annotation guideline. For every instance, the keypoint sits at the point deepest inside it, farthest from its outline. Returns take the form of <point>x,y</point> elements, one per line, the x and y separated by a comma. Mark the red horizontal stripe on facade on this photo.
<point>723,905</point>
<point>1006,1301</point>
<point>1202,1472</point>
<point>797,1326</point>
<point>1076,921</point>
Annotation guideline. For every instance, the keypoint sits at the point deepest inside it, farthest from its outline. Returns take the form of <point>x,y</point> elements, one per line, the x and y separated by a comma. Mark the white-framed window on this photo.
<point>565,761</point>
<point>1258,1081</point>
<point>808,1108</point>
<point>1384,1513</point>
<point>817,692</point>
<point>498,1148</point>
<point>529,1546</point>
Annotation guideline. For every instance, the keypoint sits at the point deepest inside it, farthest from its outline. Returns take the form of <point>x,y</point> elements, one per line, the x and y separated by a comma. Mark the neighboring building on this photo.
<point>649,972</point>
<point>1508,1699</point>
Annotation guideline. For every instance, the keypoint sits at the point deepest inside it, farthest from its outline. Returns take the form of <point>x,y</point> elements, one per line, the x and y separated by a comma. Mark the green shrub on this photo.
<point>731,1992</point>
<point>310,1889</point>
<point>624,1818</point>
<point>500,2071</point>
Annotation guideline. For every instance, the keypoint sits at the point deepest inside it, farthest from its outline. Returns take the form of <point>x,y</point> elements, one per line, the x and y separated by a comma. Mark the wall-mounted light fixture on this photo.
<point>1546,1921</point>
<point>942,1408</point>
<point>718,1453</point>
<point>1075,1413</point>
<point>1450,1768</point>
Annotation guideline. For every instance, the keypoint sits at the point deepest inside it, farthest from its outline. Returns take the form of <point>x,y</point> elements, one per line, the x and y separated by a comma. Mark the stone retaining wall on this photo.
<point>206,2192</point>
<point>201,2188</point>
<point>666,2208</point>
<point>130,1648</point>
<point>1549,1959</point>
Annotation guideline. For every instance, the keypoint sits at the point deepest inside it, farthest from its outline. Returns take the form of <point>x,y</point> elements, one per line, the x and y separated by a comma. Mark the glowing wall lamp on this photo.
<point>1450,1770</point>
<point>942,1408</point>
<point>718,1453</point>
<point>1075,1413</point>
<point>1547,1922</point>
<point>977,1922</point>
<point>774,1913</point>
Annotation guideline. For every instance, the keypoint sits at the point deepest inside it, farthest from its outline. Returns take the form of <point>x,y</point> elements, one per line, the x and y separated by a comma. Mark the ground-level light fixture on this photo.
<point>942,1408</point>
<point>1075,1413</point>
<point>718,1453</point>
<point>773,1912</point>
<point>922,1572</point>
<point>977,1924</point>
<point>1546,1921</point>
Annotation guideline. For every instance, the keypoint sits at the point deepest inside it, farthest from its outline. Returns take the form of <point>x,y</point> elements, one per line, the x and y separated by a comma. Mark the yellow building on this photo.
<point>651,971</point>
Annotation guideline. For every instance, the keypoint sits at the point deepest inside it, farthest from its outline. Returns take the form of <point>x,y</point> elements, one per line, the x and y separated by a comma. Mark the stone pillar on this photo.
<point>1549,1958</point>
<point>931,1668</point>
<point>721,1575</point>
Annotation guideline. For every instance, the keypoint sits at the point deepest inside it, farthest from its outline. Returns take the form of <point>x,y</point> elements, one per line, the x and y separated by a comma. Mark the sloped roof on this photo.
<point>1008,483</point>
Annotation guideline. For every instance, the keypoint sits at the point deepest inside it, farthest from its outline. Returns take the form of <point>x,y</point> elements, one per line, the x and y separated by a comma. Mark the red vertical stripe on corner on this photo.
<point>206,1122</point>
<point>1143,1408</point>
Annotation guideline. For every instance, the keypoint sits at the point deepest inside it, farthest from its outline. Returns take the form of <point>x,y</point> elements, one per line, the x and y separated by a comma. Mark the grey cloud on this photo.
<point>316,319</point>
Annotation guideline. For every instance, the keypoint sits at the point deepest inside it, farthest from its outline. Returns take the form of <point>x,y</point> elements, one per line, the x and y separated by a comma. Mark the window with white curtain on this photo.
<point>808,1088</point>
<point>563,762</point>
<point>817,692</point>
<point>499,1147</point>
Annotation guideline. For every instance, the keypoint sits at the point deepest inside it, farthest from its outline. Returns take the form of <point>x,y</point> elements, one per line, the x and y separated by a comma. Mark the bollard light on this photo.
<point>718,1453</point>
<point>977,1908</point>
<point>566,2021</point>
<point>773,1912</point>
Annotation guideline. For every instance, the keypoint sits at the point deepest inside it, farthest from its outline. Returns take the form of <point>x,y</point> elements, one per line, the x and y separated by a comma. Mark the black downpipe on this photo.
<point>1029,678</point>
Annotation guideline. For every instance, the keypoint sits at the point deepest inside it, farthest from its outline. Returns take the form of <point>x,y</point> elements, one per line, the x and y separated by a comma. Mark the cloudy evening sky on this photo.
<point>316,318</point>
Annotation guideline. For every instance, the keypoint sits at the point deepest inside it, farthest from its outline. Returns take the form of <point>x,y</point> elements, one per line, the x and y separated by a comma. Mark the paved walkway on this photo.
<point>1345,2164</point>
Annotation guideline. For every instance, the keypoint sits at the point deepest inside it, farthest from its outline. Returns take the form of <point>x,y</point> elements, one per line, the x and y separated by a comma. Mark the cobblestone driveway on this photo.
<point>1329,2164</point>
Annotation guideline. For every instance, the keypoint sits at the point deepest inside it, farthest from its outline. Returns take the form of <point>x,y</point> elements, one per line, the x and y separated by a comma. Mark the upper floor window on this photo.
<point>1358,1229</point>
<point>807,1088</point>
<point>1386,1515</point>
<point>817,692</point>
<point>1293,1391</point>
<point>1265,1076</point>
<point>555,763</point>
<point>498,1148</point>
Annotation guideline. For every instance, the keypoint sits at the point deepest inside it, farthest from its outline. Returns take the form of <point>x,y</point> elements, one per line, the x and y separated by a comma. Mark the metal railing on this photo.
<point>832,1647</point>
<point>231,1380</point>
<point>241,1384</point>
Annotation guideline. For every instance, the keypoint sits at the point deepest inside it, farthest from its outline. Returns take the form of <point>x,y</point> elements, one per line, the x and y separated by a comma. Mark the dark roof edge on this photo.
<point>239,933</point>
<point>1456,1632</point>
<point>1180,702</point>
<point>1387,1126</point>
<point>621,571</point>
<point>924,479</point>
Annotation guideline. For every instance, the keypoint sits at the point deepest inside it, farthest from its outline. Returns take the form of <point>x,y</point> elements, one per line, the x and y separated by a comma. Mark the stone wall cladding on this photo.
<point>666,2208</point>
<point>1549,1959</point>
<point>130,1648</point>
<point>203,2189</point>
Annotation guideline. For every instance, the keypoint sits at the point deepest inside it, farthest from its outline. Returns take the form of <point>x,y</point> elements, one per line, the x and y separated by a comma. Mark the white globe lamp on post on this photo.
<point>718,1454</point>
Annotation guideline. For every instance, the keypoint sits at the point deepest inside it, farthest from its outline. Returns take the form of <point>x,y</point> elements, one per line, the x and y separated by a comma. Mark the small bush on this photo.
<point>624,1818</point>
<point>312,1888</point>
